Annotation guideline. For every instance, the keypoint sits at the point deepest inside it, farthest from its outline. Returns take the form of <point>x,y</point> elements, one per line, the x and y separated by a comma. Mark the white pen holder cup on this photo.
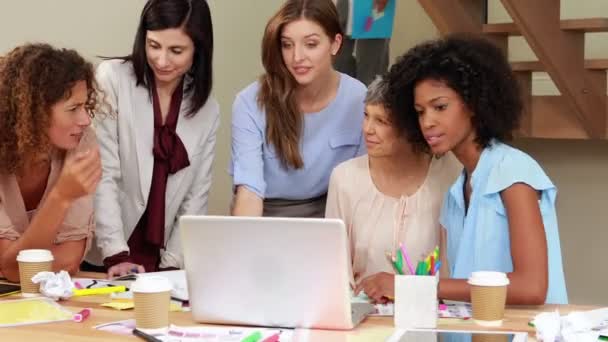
<point>416,301</point>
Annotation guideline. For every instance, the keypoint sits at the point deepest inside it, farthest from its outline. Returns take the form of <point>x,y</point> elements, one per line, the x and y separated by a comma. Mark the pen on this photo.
<point>418,267</point>
<point>437,267</point>
<point>183,301</point>
<point>407,258</point>
<point>82,315</point>
<point>399,262</point>
<point>144,336</point>
<point>391,261</point>
<point>254,337</point>
<point>99,290</point>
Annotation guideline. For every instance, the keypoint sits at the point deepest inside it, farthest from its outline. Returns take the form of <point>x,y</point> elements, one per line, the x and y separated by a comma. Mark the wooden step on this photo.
<point>596,64</point>
<point>536,66</point>
<point>507,29</point>
<point>584,25</point>
<point>527,66</point>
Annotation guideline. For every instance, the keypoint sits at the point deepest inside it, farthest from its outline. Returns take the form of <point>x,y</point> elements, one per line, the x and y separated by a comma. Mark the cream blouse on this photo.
<point>377,223</point>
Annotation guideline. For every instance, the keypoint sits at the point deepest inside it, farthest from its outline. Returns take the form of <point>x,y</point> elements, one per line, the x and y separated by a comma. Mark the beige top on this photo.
<point>372,218</point>
<point>79,221</point>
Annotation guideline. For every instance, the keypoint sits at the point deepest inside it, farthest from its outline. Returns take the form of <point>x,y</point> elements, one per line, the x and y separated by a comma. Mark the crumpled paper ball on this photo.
<point>574,327</point>
<point>55,285</point>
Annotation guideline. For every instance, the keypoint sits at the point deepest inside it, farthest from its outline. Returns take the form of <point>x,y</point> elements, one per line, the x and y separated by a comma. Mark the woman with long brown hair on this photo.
<point>299,120</point>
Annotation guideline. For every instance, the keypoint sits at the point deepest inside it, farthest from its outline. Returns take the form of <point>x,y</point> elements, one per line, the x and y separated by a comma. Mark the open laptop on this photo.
<point>278,272</point>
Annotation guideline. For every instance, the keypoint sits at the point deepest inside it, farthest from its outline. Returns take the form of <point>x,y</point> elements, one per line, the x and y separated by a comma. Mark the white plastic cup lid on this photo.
<point>151,284</point>
<point>489,278</point>
<point>35,255</point>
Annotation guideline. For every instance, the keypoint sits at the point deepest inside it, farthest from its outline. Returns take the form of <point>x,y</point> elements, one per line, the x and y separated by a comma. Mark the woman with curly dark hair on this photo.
<point>49,161</point>
<point>459,94</point>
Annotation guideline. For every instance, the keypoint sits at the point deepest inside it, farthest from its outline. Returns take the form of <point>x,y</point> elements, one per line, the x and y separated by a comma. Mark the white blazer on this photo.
<point>125,143</point>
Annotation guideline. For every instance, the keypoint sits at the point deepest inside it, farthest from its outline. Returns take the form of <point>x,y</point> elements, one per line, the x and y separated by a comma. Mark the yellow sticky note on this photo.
<point>175,307</point>
<point>120,305</point>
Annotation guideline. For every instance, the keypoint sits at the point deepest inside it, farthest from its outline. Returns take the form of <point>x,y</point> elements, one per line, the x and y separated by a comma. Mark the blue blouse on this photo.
<point>479,240</point>
<point>329,137</point>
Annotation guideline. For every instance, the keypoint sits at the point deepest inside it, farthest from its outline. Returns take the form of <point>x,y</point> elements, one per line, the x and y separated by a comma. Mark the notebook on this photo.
<point>32,311</point>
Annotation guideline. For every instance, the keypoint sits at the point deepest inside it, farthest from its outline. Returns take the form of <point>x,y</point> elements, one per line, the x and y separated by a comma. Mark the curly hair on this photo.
<point>33,78</point>
<point>475,69</point>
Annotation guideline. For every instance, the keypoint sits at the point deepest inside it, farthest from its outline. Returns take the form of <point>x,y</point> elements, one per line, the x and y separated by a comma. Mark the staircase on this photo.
<point>581,111</point>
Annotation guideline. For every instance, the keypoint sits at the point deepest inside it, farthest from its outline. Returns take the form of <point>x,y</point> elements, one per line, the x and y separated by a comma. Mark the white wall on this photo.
<point>579,168</point>
<point>92,27</point>
<point>238,27</point>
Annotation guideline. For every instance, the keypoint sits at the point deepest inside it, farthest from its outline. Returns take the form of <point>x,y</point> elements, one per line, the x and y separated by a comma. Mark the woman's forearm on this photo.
<point>247,203</point>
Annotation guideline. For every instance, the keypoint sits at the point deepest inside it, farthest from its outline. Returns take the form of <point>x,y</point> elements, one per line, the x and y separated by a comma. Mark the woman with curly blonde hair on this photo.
<point>49,161</point>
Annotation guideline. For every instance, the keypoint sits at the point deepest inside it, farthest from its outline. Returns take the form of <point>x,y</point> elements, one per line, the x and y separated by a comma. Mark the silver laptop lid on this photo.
<point>281,272</point>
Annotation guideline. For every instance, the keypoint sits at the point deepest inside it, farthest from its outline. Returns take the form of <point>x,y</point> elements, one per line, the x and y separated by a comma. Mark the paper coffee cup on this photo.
<point>152,297</point>
<point>488,297</point>
<point>31,262</point>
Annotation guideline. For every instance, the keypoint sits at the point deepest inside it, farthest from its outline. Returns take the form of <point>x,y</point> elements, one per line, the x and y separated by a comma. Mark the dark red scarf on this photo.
<point>170,156</point>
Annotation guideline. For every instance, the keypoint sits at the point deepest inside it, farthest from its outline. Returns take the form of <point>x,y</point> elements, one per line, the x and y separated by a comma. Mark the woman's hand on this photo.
<point>79,175</point>
<point>379,287</point>
<point>124,268</point>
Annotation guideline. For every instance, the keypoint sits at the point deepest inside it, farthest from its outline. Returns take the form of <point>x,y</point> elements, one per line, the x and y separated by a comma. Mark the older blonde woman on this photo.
<point>390,196</point>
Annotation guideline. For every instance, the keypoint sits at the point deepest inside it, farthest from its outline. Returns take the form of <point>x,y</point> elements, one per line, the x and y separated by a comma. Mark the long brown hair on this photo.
<point>277,86</point>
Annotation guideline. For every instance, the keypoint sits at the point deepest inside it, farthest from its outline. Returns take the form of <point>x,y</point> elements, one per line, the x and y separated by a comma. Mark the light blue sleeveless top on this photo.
<point>479,240</point>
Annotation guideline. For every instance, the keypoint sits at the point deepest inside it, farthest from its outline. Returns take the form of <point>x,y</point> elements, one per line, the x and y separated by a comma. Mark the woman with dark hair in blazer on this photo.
<point>157,154</point>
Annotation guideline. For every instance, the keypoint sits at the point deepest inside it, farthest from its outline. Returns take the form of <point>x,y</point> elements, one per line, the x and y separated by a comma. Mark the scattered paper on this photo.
<point>387,309</point>
<point>177,279</point>
<point>455,310</point>
<point>452,310</point>
<point>88,283</point>
<point>577,326</point>
<point>199,333</point>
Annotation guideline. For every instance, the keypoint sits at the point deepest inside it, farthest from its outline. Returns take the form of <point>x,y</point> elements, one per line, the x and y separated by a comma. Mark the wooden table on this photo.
<point>372,329</point>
